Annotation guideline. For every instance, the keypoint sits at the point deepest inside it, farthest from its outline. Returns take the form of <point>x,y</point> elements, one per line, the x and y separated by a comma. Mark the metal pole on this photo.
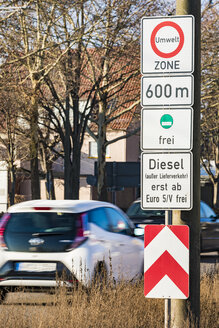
<point>167,311</point>
<point>179,308</point>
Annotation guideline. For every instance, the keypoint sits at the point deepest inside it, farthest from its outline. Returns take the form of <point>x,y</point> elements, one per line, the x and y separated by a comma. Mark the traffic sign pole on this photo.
<point>179,312</point>
<point>167,304</point>
<point>168,61</point>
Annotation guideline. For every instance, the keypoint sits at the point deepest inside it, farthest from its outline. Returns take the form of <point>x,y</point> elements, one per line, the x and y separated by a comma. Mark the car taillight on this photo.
<point>81,230</point>
<point>44,208</point>
<point>3,223</point>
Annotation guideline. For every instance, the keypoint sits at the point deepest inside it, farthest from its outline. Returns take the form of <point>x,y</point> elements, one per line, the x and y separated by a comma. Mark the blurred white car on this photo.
<point>42,240</point>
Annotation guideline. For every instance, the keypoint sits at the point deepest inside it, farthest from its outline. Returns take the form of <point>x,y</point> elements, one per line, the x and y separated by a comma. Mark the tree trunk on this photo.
<point>53,195</point>
<point>72,176</point>
<point>72,152</point>
<point>101,162</point>
<point>76,151</point>
<point>67,155</point>
<point>34,144</point>
<point>11,166</point>
<point>76,165</point>
<point>50,189</point>
<point>67,176</point>
<point>12,175</point>
<point>215,193</point>
<point>216,179</point>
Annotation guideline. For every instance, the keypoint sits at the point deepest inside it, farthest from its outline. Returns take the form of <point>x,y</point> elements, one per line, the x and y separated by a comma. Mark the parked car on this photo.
<point>42,239</point>
<point>209,222</point>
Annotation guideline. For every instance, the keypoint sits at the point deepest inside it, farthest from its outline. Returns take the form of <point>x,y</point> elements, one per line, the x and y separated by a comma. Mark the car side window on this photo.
<point>118,222</point>
<point>202,213</point>
<point>207,211</point>
<point>99,217</point>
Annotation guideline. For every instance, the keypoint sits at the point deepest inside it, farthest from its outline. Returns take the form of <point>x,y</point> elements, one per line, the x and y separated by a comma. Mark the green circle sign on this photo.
<point>166,121</point>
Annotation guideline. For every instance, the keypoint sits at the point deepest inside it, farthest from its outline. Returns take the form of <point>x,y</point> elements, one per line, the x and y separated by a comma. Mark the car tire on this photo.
<point>3,293</point>
<point>100,276</point>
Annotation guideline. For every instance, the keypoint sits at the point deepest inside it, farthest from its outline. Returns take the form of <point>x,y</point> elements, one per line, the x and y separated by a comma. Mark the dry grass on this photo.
<point>123,306</point>
<point>209,307</point>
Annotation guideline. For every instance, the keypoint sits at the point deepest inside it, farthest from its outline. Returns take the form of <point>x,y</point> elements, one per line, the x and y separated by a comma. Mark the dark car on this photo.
<point>209,221</point>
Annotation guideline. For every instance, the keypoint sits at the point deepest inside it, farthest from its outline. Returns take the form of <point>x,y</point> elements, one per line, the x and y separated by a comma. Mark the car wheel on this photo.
<point>100,276</point>
<point>3,293</point>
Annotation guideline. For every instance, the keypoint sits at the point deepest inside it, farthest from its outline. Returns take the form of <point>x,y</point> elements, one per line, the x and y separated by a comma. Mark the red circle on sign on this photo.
<point>181,40</point>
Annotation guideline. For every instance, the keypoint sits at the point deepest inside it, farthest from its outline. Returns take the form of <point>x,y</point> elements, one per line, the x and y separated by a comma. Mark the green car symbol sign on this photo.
<point>166,121</point>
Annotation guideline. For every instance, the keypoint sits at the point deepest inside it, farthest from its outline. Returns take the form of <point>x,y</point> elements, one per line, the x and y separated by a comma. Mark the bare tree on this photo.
<point>53,37</point>
<point>7,143</point>
<point>61,98</point>
<point>106,33</point>
<point>118,93</point>
<point>44,36</point>
<point>47,143</point>
<point>26,40</point>
<point>12,143</point>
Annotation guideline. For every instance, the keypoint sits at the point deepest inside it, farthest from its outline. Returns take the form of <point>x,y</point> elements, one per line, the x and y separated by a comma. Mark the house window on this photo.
<point>93,150</point>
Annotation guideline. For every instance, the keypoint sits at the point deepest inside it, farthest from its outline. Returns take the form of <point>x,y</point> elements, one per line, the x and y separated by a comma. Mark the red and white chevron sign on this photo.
<point>166,261</point>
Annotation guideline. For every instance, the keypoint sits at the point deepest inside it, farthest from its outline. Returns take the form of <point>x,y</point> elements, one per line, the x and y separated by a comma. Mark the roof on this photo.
<point>120,96</point>
<point>123,64</point>
<point>76,206</point>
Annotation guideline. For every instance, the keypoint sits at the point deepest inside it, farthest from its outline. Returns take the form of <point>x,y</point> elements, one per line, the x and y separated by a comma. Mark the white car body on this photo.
<point>124,253</point>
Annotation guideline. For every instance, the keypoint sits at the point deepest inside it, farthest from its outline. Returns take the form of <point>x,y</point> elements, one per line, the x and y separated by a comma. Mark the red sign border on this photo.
<point>153,35</point>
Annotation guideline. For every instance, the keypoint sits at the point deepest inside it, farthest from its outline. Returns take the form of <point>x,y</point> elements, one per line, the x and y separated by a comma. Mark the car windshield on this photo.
<point>41,222</point>
<point>136,210</point>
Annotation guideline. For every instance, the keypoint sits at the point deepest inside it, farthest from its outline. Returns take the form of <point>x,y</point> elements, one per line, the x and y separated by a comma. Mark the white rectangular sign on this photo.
<point>166,181</point>
<point>166,129</point>
<point>167,44</point>
<point>177,90</point>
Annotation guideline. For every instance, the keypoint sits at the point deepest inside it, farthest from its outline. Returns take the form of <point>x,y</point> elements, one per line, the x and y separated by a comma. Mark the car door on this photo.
<point>209,228</point>
<point>130,248</point>
<point>104,244</point>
